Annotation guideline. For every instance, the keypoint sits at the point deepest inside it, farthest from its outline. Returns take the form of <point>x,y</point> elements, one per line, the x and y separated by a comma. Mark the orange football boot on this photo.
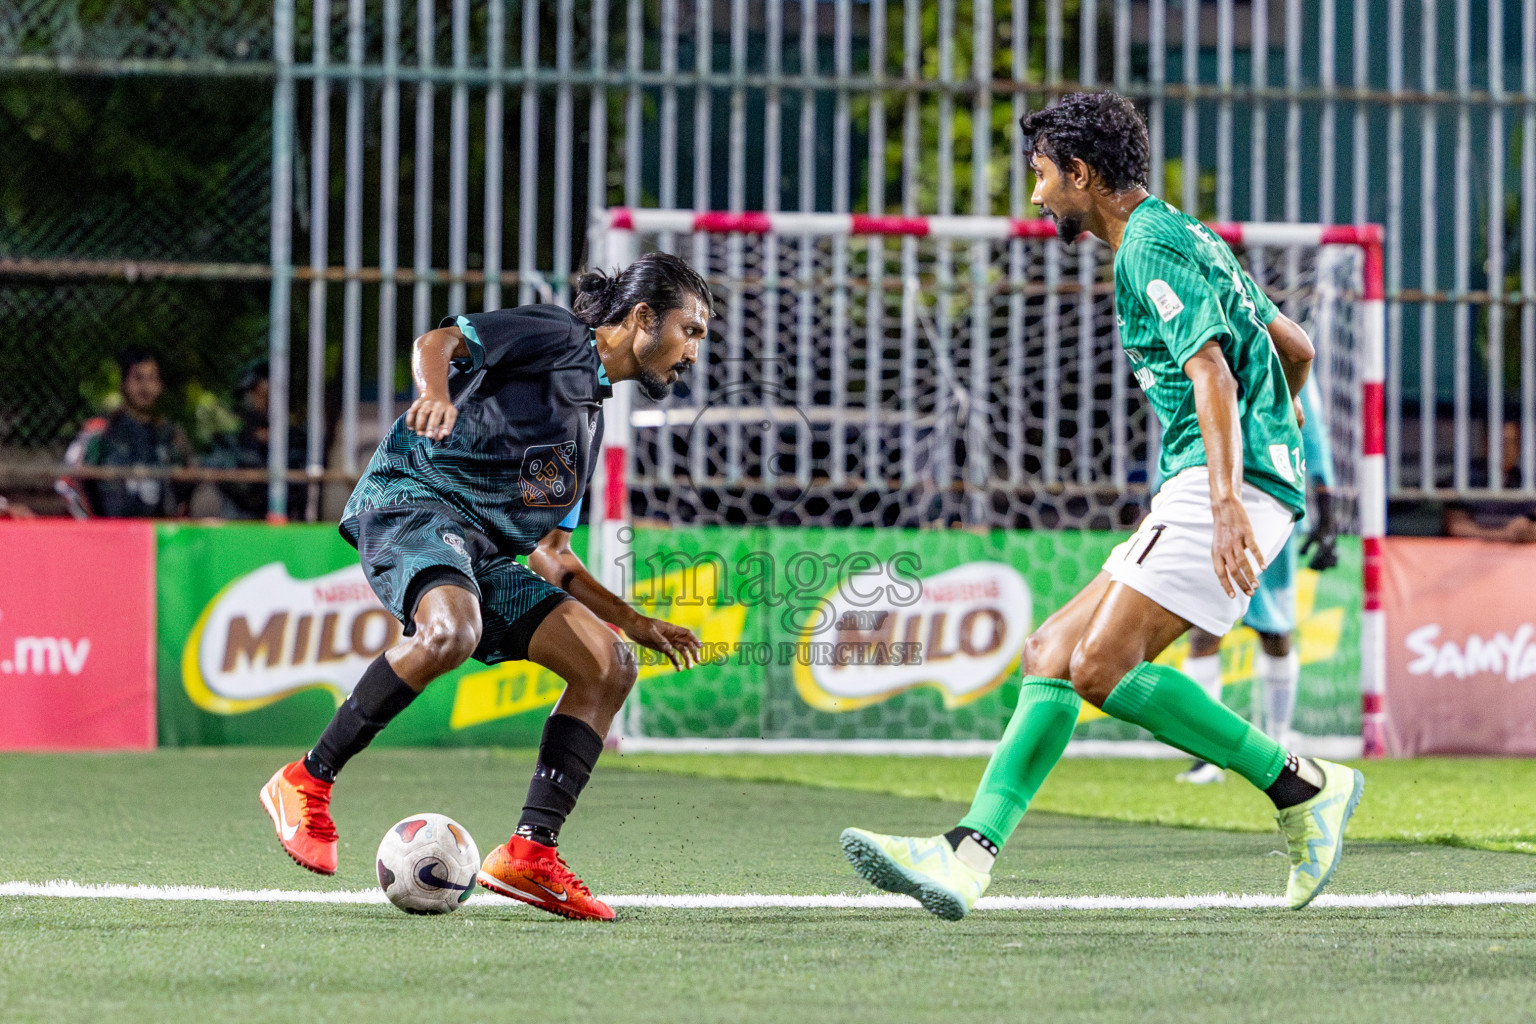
<point>300,806</point>
<point>534,873</point>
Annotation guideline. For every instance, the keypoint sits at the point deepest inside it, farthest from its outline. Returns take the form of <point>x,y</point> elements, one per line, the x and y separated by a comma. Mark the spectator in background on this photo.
<point>135,434</point>
<point>14,510</point>
<point>247,449</point>
<point>1510,520</point>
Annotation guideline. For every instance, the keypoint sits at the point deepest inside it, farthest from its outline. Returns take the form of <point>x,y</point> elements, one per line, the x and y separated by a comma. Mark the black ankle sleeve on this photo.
<point>567,755</point>
<point>570,746</point>
<point>378,697</point>
<point>381,694</point>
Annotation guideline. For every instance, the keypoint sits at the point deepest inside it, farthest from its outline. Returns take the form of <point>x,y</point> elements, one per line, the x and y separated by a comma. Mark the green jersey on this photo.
<point>1178,286</point>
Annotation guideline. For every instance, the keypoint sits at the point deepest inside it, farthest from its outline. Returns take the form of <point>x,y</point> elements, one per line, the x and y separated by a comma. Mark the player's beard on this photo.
<point>655,385</point>
<point>1069,227</point>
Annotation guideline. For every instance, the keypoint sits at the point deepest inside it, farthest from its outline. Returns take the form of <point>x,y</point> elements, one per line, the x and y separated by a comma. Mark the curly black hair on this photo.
<point>1102,129</point>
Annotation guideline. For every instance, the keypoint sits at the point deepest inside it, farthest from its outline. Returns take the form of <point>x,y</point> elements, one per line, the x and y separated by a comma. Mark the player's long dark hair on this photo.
<point>1102,129</point>
<point>660,280</point>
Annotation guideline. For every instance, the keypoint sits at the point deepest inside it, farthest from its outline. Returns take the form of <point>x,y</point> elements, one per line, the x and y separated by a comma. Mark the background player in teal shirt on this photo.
<point>1221,369</point>
<point>1272,612</point>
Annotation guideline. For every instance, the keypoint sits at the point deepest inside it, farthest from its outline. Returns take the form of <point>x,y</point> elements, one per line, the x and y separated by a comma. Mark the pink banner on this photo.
<point>77,635</point>
<point>1461,646</point>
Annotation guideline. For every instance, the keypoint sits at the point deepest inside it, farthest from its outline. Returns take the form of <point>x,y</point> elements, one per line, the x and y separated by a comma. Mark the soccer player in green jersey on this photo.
<point>1222,369</point>
<point>1272,611</point>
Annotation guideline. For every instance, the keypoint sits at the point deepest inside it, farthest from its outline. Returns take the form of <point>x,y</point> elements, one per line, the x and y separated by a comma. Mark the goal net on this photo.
<point>934,410</point>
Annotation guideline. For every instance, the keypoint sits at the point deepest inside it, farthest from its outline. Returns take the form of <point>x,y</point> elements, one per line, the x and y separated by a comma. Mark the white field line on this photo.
<point>1334,748</point>
<point>839,901</point>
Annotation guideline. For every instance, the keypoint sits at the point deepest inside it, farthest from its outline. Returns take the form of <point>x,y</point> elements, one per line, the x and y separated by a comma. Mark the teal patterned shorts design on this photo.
<point>406,550</point>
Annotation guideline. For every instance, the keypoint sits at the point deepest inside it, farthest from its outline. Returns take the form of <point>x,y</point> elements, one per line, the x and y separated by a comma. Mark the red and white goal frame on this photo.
<point>615,240</point>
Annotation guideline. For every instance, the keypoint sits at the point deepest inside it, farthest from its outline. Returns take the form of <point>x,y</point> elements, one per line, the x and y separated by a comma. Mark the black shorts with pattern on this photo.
<point>409,549</point>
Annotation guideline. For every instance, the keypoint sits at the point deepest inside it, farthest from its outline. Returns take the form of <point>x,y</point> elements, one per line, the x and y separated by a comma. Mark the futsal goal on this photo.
<point>907,440</point>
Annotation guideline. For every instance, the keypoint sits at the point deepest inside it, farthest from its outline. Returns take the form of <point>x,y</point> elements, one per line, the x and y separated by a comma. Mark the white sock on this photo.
<point>1278,677</point>
<point>1205,670</point>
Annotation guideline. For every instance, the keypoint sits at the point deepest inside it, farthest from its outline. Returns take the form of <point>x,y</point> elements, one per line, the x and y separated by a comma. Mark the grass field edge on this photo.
<point>1452,839</point>
<point>62,889</point>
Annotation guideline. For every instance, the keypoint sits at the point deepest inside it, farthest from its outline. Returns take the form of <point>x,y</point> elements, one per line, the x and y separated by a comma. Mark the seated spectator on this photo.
<point>135,434</point>
<point>247,449</point>
<point>1510,520</point>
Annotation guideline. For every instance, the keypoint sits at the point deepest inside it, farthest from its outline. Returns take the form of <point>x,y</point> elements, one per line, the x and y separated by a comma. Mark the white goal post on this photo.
<point>874,372</point>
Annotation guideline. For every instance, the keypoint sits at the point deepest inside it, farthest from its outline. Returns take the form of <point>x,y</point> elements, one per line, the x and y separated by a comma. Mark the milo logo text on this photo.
<point>268,635</point>
<point>968,624</point>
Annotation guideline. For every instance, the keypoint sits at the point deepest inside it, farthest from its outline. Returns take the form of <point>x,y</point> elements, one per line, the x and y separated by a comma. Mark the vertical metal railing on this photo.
<point>458,162</point>
<point>421,171</point>
<point>281,253</point>
<point>1495,213</point>
<point>979,416</point>
<point>1394,218</point>
<point>495,98</point>
<point>352,242</point>
<point>1017,260</point>
<point>1461,322</point>
<point>528,160</point>
<point>874,310</point>
<point>1085,342</point>
<point>1119,422</point>
<point>389,213</point>
<point>319,255</point>
<point>911,149</point>
<point>1050,457</point>
<point>1528,251</point>
<point>1428,240</point>
<point>708,104</point>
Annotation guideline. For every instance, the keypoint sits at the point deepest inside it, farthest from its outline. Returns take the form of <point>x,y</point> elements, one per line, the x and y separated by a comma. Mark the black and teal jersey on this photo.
<point>520,456</point>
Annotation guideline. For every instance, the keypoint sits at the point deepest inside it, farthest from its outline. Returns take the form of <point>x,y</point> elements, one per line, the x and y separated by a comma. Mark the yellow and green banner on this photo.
<point>264,629</point>
<point>810,633</point>
<point>916,634</point>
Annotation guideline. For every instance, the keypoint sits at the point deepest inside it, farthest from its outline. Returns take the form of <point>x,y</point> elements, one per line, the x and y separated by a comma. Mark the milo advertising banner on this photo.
<point>263,630</point>
<point>908,634</point>
<point>808,633</point>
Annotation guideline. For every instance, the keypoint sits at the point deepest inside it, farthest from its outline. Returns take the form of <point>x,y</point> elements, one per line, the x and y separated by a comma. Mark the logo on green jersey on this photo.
<point>1164,300</point>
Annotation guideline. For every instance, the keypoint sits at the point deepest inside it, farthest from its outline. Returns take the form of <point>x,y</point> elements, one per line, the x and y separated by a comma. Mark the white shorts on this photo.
<point>1169,557</point>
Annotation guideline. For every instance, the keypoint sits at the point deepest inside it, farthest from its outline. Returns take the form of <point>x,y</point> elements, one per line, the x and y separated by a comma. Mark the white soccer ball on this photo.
<point>427,864</point>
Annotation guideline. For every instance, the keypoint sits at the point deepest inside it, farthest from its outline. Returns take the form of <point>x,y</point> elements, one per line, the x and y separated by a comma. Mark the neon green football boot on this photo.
<point>925,868</point>
<point>1314,831</point>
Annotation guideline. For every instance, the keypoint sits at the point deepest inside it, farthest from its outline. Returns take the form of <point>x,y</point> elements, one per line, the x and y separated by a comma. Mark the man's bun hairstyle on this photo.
<point>1102,129</point>
<point>659,279</point>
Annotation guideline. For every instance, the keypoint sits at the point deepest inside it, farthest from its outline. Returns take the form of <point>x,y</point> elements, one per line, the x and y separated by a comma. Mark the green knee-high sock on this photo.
<point>1038,732</point>
<point>1174,708</point>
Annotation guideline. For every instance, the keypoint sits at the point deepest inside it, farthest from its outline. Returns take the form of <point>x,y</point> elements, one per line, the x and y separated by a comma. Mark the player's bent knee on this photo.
<point>1044,655</point>
<point>1093,676</point>
<point>447,643</point>
<point>1203,644</point>
<point>620,677</point>
<point>603,686</point>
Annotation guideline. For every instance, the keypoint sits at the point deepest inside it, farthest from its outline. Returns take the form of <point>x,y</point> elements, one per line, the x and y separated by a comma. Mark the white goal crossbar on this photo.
<point>616,236</point>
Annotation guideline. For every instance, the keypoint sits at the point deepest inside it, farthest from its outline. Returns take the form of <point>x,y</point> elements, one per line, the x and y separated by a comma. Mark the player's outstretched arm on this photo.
<point>1295,351</point>
<point>432,415</point>
<point>554,560</point>
<point>1234,551</point>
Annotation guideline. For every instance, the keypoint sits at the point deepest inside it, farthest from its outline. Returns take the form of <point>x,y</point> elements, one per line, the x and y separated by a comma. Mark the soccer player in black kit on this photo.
<point>492,462</point>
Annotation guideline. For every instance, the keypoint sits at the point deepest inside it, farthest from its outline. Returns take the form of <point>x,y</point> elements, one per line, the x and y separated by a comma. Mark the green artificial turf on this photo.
<point>191,817</point>
<point>1486,804</point>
